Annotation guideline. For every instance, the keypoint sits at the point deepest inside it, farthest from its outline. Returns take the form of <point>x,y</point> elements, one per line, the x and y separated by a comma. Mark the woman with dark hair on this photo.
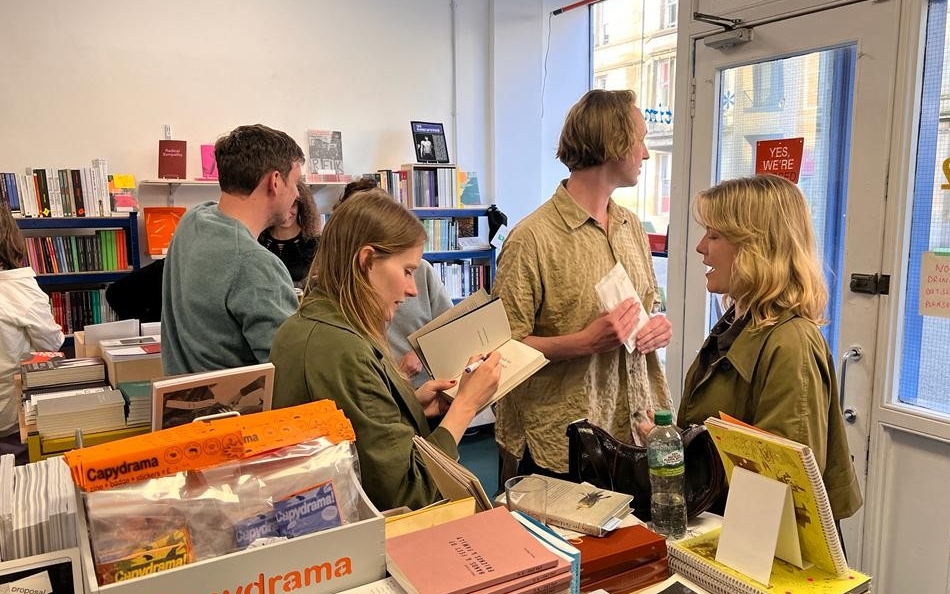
<point>335,347</point>
<point>26,324</point>
<point>294,240</point>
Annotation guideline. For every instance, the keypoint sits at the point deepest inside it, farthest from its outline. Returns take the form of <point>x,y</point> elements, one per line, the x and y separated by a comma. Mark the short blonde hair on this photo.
<point>776,268</point>
<point>368,218</point>
<point>598,129</point>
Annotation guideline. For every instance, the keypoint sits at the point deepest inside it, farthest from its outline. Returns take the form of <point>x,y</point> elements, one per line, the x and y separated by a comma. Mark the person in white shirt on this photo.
<point>26,324</point>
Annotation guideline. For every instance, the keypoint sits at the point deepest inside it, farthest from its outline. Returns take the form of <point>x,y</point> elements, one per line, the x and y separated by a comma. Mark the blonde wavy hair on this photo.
<point>368,218</point>
<point>776,268</point>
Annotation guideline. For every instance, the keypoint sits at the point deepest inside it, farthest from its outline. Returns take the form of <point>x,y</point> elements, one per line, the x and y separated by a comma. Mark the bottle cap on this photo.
<point>663,417</point>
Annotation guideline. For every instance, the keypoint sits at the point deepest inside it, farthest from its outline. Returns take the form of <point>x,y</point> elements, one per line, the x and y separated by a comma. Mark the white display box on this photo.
<point>320,563</point>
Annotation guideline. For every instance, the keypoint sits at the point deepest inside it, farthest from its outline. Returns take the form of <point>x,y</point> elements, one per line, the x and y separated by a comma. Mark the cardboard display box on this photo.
<point>329,561</point>
<point>82,349</point>
<point>127,368</point>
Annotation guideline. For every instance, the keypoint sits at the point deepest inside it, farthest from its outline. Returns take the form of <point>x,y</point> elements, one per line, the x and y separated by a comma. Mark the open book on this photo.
<point>478,324</point>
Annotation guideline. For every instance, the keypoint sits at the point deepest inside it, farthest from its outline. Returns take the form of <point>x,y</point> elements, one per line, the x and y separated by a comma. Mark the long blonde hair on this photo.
<point>776,268</point>
<point>368,218</point>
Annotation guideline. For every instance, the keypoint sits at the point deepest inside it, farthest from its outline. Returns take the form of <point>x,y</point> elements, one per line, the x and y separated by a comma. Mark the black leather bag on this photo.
<point>596,457</point>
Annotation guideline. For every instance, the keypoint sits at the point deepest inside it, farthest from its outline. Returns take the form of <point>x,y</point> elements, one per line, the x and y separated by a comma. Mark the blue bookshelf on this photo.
<point>456,255</point>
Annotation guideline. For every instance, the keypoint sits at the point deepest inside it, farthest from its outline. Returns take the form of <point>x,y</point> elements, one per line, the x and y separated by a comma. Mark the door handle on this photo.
<point>854,353</point>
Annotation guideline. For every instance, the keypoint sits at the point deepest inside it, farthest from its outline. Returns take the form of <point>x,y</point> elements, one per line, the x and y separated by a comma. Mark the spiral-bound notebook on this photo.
<point>695,558</point>
<point>794,464</point>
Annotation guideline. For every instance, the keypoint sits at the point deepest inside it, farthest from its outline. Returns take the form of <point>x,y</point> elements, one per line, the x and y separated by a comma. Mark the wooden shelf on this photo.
<point>435,213</point>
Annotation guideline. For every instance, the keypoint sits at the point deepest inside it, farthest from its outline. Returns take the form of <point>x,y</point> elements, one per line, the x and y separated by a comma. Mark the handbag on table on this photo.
<point>598,458</point>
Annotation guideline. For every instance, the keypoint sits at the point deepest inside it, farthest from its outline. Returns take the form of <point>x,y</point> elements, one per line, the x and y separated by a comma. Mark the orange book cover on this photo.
<point>172,159</point>
<point>160,225</point>
<point>623,548</point>
<point>466,555</point>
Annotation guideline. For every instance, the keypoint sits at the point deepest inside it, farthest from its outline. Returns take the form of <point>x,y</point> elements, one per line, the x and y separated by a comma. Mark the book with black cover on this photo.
<point>428,138</point>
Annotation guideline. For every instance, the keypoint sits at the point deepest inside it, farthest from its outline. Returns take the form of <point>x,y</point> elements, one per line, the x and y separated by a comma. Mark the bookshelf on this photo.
<point>88,255</point>
<point>329,190</point>
<point>463,271</point>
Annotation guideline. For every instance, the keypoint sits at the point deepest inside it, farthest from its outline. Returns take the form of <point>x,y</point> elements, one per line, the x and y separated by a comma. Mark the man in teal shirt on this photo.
<point>223,294</point>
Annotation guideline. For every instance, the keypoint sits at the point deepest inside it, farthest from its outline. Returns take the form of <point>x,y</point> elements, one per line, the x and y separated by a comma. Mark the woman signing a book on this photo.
<point>335,347</point>
<point>765,361</point>
<point>26,324</point>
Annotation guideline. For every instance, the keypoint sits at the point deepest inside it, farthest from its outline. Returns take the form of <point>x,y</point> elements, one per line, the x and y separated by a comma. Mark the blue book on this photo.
<point>556,544</point>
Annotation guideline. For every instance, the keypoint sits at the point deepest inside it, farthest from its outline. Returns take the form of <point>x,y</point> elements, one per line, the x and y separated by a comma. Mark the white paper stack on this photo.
<point>140,410</point>
<point>6,507</point>
<point>92,413</point>
<point>44,509</point>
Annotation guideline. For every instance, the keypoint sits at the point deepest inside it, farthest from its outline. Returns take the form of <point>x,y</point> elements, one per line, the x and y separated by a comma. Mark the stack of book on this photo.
<point>37,508</point>
<point>138,402</point>
<point>582,507</point>
<point>91,410</point>
<point>785,548</point>
<point>625,560</point>
<point>488,553</point>
<point>61,372</point>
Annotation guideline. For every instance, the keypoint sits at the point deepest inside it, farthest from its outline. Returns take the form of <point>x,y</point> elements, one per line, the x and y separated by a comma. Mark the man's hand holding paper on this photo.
<point>614,290</point>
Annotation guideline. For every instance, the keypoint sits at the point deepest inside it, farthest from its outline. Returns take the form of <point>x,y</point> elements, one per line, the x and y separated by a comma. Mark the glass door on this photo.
<point>799,78</point>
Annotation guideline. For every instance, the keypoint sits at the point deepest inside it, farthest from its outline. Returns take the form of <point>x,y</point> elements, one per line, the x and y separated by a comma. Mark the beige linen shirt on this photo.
<point>547,270</point>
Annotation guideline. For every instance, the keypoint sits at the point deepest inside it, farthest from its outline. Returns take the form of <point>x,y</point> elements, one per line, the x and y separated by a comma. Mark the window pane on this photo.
<point>806,96</point>
<point>634,44</point>
<point>924,374</point>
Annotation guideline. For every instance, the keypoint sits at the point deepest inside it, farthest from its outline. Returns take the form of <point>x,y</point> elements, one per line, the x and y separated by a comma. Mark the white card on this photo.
<point>759,525</point>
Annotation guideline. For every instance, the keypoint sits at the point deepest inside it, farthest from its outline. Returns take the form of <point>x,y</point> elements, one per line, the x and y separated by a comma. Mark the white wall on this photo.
<point>90,79</point>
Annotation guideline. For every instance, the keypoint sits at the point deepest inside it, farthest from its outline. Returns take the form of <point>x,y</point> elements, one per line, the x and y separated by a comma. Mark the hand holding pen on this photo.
<point>475,364</point>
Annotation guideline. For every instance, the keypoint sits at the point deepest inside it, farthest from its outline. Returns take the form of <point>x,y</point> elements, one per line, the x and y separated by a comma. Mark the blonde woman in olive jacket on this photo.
<point>766,362</point>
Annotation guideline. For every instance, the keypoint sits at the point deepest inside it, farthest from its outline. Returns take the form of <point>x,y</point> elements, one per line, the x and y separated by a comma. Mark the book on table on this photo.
<point>789,462</point>
<point>582,507</point>
<point>429,516</point>
<point>468,555</point>
<point>477,325</point>
<point>695,558</point>
<point>182,399</point>
<point>59,371</point>
<point>621,550</point>
<point>555,543</point>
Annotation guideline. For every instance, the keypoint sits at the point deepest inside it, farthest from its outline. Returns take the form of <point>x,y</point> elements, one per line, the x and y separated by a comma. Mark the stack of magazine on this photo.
<point>37,508</point>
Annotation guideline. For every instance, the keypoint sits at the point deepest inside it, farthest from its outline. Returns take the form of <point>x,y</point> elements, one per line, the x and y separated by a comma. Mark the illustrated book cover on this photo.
<point>584,508</point>
<point>466,555</point>
<point>695,558</point>
<point>326,151</point>
<point>182,399</point>
<point>794,464</point>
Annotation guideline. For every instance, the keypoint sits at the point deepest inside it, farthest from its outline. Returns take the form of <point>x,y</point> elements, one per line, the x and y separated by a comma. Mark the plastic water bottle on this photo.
<point>667,477</point>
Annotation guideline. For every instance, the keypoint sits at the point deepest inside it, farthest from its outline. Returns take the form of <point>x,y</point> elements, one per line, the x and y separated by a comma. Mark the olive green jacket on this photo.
<point>317,355</point>
<point>781,379</point>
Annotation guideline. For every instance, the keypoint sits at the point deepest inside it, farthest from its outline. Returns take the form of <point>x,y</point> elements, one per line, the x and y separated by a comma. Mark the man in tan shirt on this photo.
<point>547,270</point>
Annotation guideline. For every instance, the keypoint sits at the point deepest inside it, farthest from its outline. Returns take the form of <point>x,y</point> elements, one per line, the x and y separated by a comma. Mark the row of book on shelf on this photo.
<point>102,250</point>
<point>75,192</point>
<point>426,185</point>
<point>464,278</point>
<point>74,309</point>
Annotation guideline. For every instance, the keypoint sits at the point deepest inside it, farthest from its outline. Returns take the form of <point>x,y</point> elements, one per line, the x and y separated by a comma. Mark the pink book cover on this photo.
<point>172,159</point>
<point>466,555</point>
<point>209,167</point>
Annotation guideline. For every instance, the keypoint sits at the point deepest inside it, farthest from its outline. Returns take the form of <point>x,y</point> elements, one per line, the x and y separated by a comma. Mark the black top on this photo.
<point>296,253</point>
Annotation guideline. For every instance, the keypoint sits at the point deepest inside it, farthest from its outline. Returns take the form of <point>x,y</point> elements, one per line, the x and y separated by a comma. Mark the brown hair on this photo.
<point>598,129</point>
<point>367,218</point>
<point>12,246</point>
<point>248,153</point>
<point>307,216</point>
<point>357,185</point>
<point>776,268</point>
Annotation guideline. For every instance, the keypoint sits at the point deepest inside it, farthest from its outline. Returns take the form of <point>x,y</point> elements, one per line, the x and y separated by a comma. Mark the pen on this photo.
<point>474,365</point>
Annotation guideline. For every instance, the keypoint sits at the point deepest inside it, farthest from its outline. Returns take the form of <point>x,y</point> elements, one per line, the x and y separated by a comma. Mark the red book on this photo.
<point>172,159</point>
<point>466,555</point>
<point>623,549</point>
<point>630,580</point>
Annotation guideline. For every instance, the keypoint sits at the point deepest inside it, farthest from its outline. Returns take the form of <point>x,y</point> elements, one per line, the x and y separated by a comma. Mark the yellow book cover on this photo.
<point>695,558</point>
<point>429,516</point>
<point>793,464</point>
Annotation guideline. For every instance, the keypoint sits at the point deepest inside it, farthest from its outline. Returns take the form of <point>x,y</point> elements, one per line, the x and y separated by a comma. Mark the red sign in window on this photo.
<point>780,157</point>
